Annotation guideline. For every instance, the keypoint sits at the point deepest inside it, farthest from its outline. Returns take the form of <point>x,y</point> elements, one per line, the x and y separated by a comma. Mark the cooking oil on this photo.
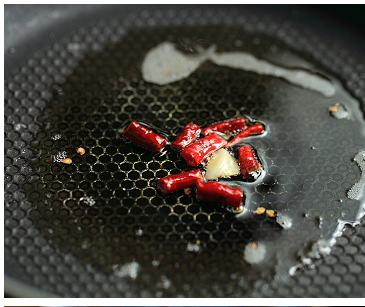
<point>311,182</point>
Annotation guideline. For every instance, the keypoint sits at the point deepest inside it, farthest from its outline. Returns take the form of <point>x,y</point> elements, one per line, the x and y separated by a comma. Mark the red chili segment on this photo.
<point>187,136</point>
<point>233,125</point>
<point>248,163</point>
<point>144,137</point>
<point>219,193</point>
<point>179,181</point>
<point>197,152</point>
<point>251,130</point>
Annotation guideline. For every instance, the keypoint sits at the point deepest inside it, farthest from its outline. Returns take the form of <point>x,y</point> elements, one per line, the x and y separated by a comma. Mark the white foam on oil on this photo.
<point>284,220</point>
<point>357,190</point>
<point>61,155</point>
<point>322,247</point>
<point>164,283</point>
<point>130,269</point>
<point>88,200</point>
<point>56,137</point>
<point>254,253</point>
<point>247,61</point>
<point>341,112</point>
<point>164,64</point>
<point>192,247</point>
<point>139,232</point>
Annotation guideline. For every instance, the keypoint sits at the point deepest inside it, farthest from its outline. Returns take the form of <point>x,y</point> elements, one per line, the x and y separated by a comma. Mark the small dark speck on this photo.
<point>313,147</point>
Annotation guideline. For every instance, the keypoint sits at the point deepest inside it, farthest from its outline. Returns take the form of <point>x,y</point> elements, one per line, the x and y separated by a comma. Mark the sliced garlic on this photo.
<point>221,164</point>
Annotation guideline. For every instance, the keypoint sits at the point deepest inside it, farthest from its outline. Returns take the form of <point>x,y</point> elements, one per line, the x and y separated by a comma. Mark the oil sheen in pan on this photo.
<point>133,231</point>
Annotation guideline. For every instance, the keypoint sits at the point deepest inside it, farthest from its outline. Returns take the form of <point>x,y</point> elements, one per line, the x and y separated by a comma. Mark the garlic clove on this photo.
<point>221,164</point>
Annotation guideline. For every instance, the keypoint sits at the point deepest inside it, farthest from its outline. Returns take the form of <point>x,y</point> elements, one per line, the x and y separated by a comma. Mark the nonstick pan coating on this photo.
<point>58,246</point>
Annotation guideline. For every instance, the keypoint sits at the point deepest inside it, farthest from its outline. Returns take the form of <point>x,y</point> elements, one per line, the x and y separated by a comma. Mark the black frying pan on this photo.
<point>98,227</point>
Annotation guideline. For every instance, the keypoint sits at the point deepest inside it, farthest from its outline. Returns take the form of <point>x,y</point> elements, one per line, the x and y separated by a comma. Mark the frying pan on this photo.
<point>97,227</point>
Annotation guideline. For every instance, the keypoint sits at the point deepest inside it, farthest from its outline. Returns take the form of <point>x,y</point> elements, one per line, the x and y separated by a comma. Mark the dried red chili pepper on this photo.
<point>197,152</point>
<point>248,163</point>
<point>179,181</point>
<point>144,137</point>
<point>251,130</point>
<point>220,193</point>
<point>187,136</point>
<point>234,125</point>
